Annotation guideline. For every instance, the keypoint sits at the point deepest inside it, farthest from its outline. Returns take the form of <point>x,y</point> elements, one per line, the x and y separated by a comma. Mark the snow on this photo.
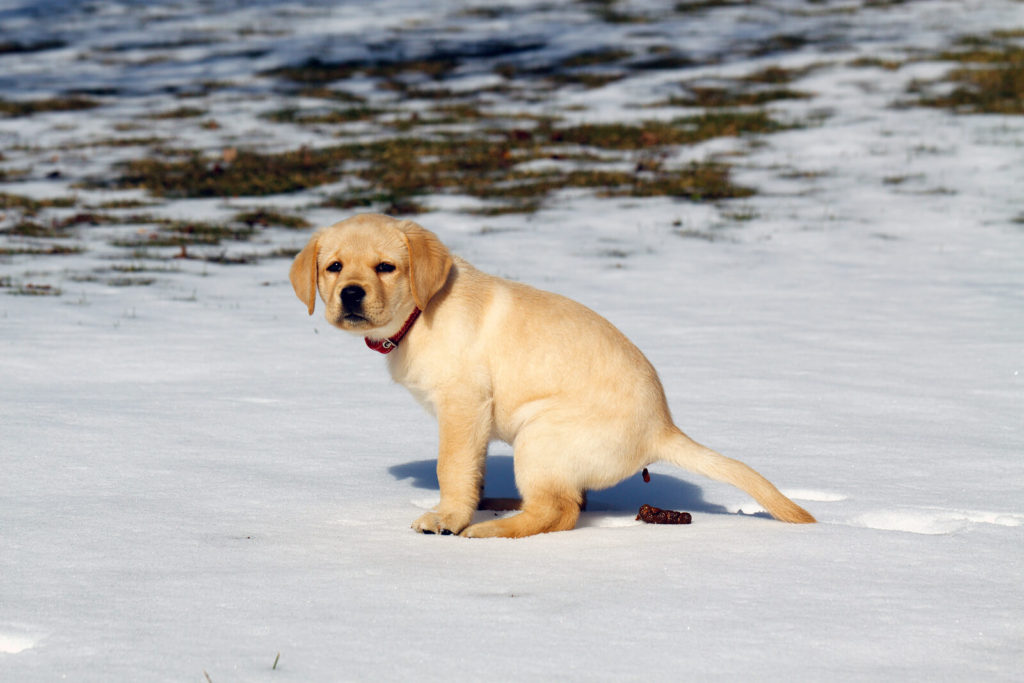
<point>199,478</point>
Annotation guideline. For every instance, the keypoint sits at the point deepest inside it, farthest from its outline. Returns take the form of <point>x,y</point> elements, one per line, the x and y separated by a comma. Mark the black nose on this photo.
<point>352,297</point>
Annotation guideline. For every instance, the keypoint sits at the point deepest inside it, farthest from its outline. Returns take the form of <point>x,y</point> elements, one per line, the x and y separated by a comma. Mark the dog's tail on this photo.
<point>682,451</point>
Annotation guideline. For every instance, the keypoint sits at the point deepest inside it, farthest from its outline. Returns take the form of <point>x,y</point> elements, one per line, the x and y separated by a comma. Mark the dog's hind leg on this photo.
<point>542,511</point>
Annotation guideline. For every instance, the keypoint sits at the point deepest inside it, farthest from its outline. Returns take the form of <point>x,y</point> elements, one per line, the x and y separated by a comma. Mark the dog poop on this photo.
<point>653,515</point>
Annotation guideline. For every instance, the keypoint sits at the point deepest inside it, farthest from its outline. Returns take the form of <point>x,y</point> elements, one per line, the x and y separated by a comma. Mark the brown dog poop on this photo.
<point>653,515</point>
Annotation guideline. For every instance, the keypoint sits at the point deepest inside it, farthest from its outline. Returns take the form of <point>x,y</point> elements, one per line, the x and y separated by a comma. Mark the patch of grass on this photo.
<point>225,260</point>
<point>179,113</point>
<point>589,80</point>
<point>588,69</point>
<point>509,207</point>
<point>57,228</point>
<point>14,108</point>
<point>281,252</point>
<point>248,174</point>
<point>324,93</point>
<point>32,289</point>
<point>265,217</point>
<point>49,250</point>
<point>125,204</point>
<point>116,281</point>
<point>490,167</point>
<point>146,141</point>
<point>9,174</point>
<point>683,131</point>
<point>780,43</point>
<point>394,174</point>
<point>990,82</point>
<point>322,115</point>
<point>662,58</point>
<point>186,233</point>
<point>896,180</point>
<point>741,214</point>
<point>135,268</point>
<point>130,281</point>
<point>609,12</point>
<point>696,182</point>
<point>877,63</point>
<point>715,97</point>
<point>777,75</point>
<point>29,228</point>
<point>29,206</point>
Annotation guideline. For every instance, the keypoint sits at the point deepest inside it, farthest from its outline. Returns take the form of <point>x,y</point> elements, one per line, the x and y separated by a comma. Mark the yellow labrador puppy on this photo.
<point>493,359</point>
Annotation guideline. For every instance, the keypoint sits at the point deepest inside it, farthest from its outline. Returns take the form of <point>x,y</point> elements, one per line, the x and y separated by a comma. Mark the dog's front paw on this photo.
<point>441,522</point>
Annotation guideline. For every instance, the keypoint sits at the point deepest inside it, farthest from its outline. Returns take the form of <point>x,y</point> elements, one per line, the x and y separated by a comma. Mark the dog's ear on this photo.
<point>303,273</point>
<point>429,262</point>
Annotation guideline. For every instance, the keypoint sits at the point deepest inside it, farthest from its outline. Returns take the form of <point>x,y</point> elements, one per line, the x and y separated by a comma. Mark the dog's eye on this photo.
<point>334,267</point>
<point>385,267</point>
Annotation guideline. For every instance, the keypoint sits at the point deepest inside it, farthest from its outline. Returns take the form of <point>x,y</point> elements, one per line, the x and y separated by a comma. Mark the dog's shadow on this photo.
<point>663,490</point>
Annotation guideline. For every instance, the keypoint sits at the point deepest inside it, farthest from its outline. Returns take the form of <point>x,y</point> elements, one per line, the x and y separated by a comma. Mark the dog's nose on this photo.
<point>352,297</point>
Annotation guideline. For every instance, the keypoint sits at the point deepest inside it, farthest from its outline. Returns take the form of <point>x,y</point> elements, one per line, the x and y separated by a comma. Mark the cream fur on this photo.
<point>494,359</point>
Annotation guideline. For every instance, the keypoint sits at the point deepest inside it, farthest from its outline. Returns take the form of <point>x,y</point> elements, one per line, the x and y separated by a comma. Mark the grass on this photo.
<point>183,234</point>
<point>250,173</point>
<point>265,218</point>
<point>421,136</point>
<point>449,142</point>
<point>685,131</point>
<point>755,89</point>
<point>30,228</point>
<point>446,142</point>
<point>15,108</point>
<point>322,115</point>
<point>32,289</point>
<point>179,113</point>
<point>393,174</point>
<point>414,157</point>
<point>718,97</point>
<point>29,206</point>
<point>990,79</point>
<point>49,250</point>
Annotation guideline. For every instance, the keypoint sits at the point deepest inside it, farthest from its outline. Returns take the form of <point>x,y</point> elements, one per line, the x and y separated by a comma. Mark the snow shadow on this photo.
<point>663,490</point>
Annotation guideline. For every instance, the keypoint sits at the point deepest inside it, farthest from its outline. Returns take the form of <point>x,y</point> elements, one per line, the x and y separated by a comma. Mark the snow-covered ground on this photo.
<point>199,479</point>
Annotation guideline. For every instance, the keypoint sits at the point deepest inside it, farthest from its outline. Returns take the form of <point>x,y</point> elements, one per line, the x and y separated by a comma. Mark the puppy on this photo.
<point>493,359</point>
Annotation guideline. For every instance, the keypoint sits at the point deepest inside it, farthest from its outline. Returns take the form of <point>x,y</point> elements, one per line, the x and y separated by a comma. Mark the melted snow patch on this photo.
<point>12,645</point>
<point>934,521</point>
<point>815,496</point>
<point>257,400</point>
<point>606,520</point>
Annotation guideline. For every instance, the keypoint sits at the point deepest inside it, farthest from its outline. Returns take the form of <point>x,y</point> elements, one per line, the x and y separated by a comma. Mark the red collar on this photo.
<point>391,343</point>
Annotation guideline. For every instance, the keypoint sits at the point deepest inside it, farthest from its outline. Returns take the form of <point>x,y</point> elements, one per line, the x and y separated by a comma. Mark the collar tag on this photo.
<point>391,343</point>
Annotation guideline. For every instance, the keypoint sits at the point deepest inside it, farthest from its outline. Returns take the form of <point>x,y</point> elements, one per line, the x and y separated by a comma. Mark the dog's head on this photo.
<point>371,271</point>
